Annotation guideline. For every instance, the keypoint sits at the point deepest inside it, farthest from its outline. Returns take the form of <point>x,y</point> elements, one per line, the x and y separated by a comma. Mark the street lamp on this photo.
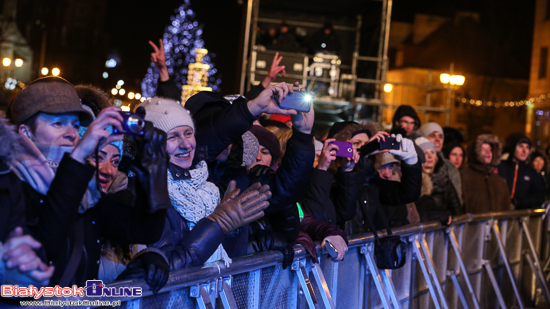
<point>388,88</point>
<point>114,91</point>
<point>122,91</point>
<point>6,62</point>
<point>131,95</point>
<point>457,80</point>
<point>18,62</point>
<point>44,71</point>
<point>55,71</point>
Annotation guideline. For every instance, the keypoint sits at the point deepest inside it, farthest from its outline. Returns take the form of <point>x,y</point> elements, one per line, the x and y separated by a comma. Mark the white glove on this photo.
<point>406,152</point>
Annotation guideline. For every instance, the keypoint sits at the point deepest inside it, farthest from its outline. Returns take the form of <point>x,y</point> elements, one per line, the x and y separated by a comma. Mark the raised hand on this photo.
<point>274,70</point>
<point>159,59</point>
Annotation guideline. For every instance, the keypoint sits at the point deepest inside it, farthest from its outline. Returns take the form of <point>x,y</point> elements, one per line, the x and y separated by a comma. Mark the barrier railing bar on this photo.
<point>507,264</point>
<point>536,266</point>
<point>431,267</point>
<point>539,278</point>
<point>494,282</point>
<point>322,286</point>
<point>391,288</point>
<point>459,289</point>
<point>203,298</point>
<point>463,270</point>
<point>305,283</point>
<point>421,260</point>
<point>376,277</point>
<point>226,296</point>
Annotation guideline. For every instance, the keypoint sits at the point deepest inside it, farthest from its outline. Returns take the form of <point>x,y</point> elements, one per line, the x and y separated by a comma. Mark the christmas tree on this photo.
<point>180,39</point>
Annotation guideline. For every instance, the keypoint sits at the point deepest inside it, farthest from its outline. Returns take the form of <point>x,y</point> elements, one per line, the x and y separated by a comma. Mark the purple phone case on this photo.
<point>345,149</point>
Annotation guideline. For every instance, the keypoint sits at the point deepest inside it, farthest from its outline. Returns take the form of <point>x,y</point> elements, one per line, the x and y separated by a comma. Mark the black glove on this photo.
<point>237,210</point>
<point>264,240</point>
<point>151,167</point>
<point>150,266</point>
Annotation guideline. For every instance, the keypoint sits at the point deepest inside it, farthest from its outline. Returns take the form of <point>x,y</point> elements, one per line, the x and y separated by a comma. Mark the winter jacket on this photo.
<point>54,220</point>
<point>438,200</point>
<point>529,189</point>
<point>184,247</point>
<point>452,173</point>
<point>12,204</point>
<point>482,189</point>
<point>326,200</point>
<point>378,192</point>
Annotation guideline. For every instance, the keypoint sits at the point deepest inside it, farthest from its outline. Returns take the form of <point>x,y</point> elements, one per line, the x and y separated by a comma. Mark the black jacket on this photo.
<point>378,192</point>
<point>530,190</point>
<point>53,219</point>
<point>12,205</point>
<point>184,247</point>
<point>332,201</point>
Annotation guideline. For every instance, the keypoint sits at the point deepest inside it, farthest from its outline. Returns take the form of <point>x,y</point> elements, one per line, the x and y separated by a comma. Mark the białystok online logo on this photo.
<point>94,288</point>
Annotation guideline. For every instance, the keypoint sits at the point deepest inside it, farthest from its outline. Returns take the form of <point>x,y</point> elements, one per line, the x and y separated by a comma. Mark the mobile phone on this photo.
<point>390,143</point>
<point>299,101</point>
<point>345,149</point>
<point>331,249</point>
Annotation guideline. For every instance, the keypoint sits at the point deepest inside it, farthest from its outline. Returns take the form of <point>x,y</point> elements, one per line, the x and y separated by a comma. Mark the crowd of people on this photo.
<point>86,197</point>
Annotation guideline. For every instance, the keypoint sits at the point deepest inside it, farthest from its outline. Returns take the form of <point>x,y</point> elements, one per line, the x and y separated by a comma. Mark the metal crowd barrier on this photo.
<point>480,261</point>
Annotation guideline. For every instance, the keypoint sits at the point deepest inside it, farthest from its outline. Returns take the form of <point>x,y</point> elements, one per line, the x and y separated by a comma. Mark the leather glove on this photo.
<point>152,266</point>
<point>264,240</point>
<point>151,167</point>
<point>237,210</point>
<point>308,244</point>
<point>406,152</point>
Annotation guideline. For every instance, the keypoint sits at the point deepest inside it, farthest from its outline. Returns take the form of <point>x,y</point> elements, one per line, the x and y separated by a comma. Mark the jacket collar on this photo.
<point>178,172</point>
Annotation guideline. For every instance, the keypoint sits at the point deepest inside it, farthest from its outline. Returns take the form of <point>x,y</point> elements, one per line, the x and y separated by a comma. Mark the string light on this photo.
<point>480,103</point>
<point>181,37</point>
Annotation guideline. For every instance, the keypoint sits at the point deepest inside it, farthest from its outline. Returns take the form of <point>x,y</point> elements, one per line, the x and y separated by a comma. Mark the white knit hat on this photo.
<point>166,114</point>
<point>430,127</point>
<point>424,143</point>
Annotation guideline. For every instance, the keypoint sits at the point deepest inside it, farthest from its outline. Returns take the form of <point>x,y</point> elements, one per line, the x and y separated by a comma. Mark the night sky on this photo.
<point>132,23</point>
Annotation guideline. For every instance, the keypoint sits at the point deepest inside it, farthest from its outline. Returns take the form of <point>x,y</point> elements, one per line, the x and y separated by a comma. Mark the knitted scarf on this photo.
<point>37,164</point>
<point>196,198</point>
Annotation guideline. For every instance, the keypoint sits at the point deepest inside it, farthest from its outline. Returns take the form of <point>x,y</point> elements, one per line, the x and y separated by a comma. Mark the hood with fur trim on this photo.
<point>474,150</point>
<point>93,97</point>
<point>8,140</point>
<point>348,132</point>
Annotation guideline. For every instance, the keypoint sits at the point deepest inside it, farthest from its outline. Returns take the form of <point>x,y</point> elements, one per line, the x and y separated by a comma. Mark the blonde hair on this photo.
<point>283,135</point>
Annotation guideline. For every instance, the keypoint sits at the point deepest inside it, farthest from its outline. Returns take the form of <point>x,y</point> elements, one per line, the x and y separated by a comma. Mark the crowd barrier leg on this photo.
<point>226,295</point>
<point>452,274</point>
<point>507,264</point>
<point>376,277</point>
<point>535,267</point>
<point>494,282</point>
<point>300,268</point>
<point>386,275</point>
<point>322,286</point>
<point>423,261</point>
<point>456,248</point>
<point>431,267</point>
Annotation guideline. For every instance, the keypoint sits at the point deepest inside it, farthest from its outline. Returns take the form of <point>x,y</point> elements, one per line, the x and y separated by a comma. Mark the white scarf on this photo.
<point>194,199</point>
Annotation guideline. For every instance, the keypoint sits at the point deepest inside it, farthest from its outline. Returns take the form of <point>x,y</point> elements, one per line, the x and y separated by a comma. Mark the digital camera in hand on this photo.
<point>299,101</point>
<point>133,124</point>
<point>345,149</point>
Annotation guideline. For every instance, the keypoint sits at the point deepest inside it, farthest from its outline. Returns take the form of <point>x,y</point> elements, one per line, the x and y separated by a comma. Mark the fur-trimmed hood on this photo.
<point>94,97</point>
<point>347,132</point>
<point>8,140</point>
<point>474,149</point>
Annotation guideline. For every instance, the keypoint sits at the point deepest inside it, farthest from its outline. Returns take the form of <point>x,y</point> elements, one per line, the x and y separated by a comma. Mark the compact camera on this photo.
<point>133,124</point>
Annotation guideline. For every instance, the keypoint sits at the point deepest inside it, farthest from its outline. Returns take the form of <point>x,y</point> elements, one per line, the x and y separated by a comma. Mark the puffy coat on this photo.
<point>482,189</point>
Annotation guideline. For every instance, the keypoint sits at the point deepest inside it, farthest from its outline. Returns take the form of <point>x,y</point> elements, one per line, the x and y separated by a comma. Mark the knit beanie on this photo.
<point>166,114</point>
<point>251,147</point>
<point>430,127</point>
<point>424,143</point>
<point>267,139</point>
<point>406,110</point>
